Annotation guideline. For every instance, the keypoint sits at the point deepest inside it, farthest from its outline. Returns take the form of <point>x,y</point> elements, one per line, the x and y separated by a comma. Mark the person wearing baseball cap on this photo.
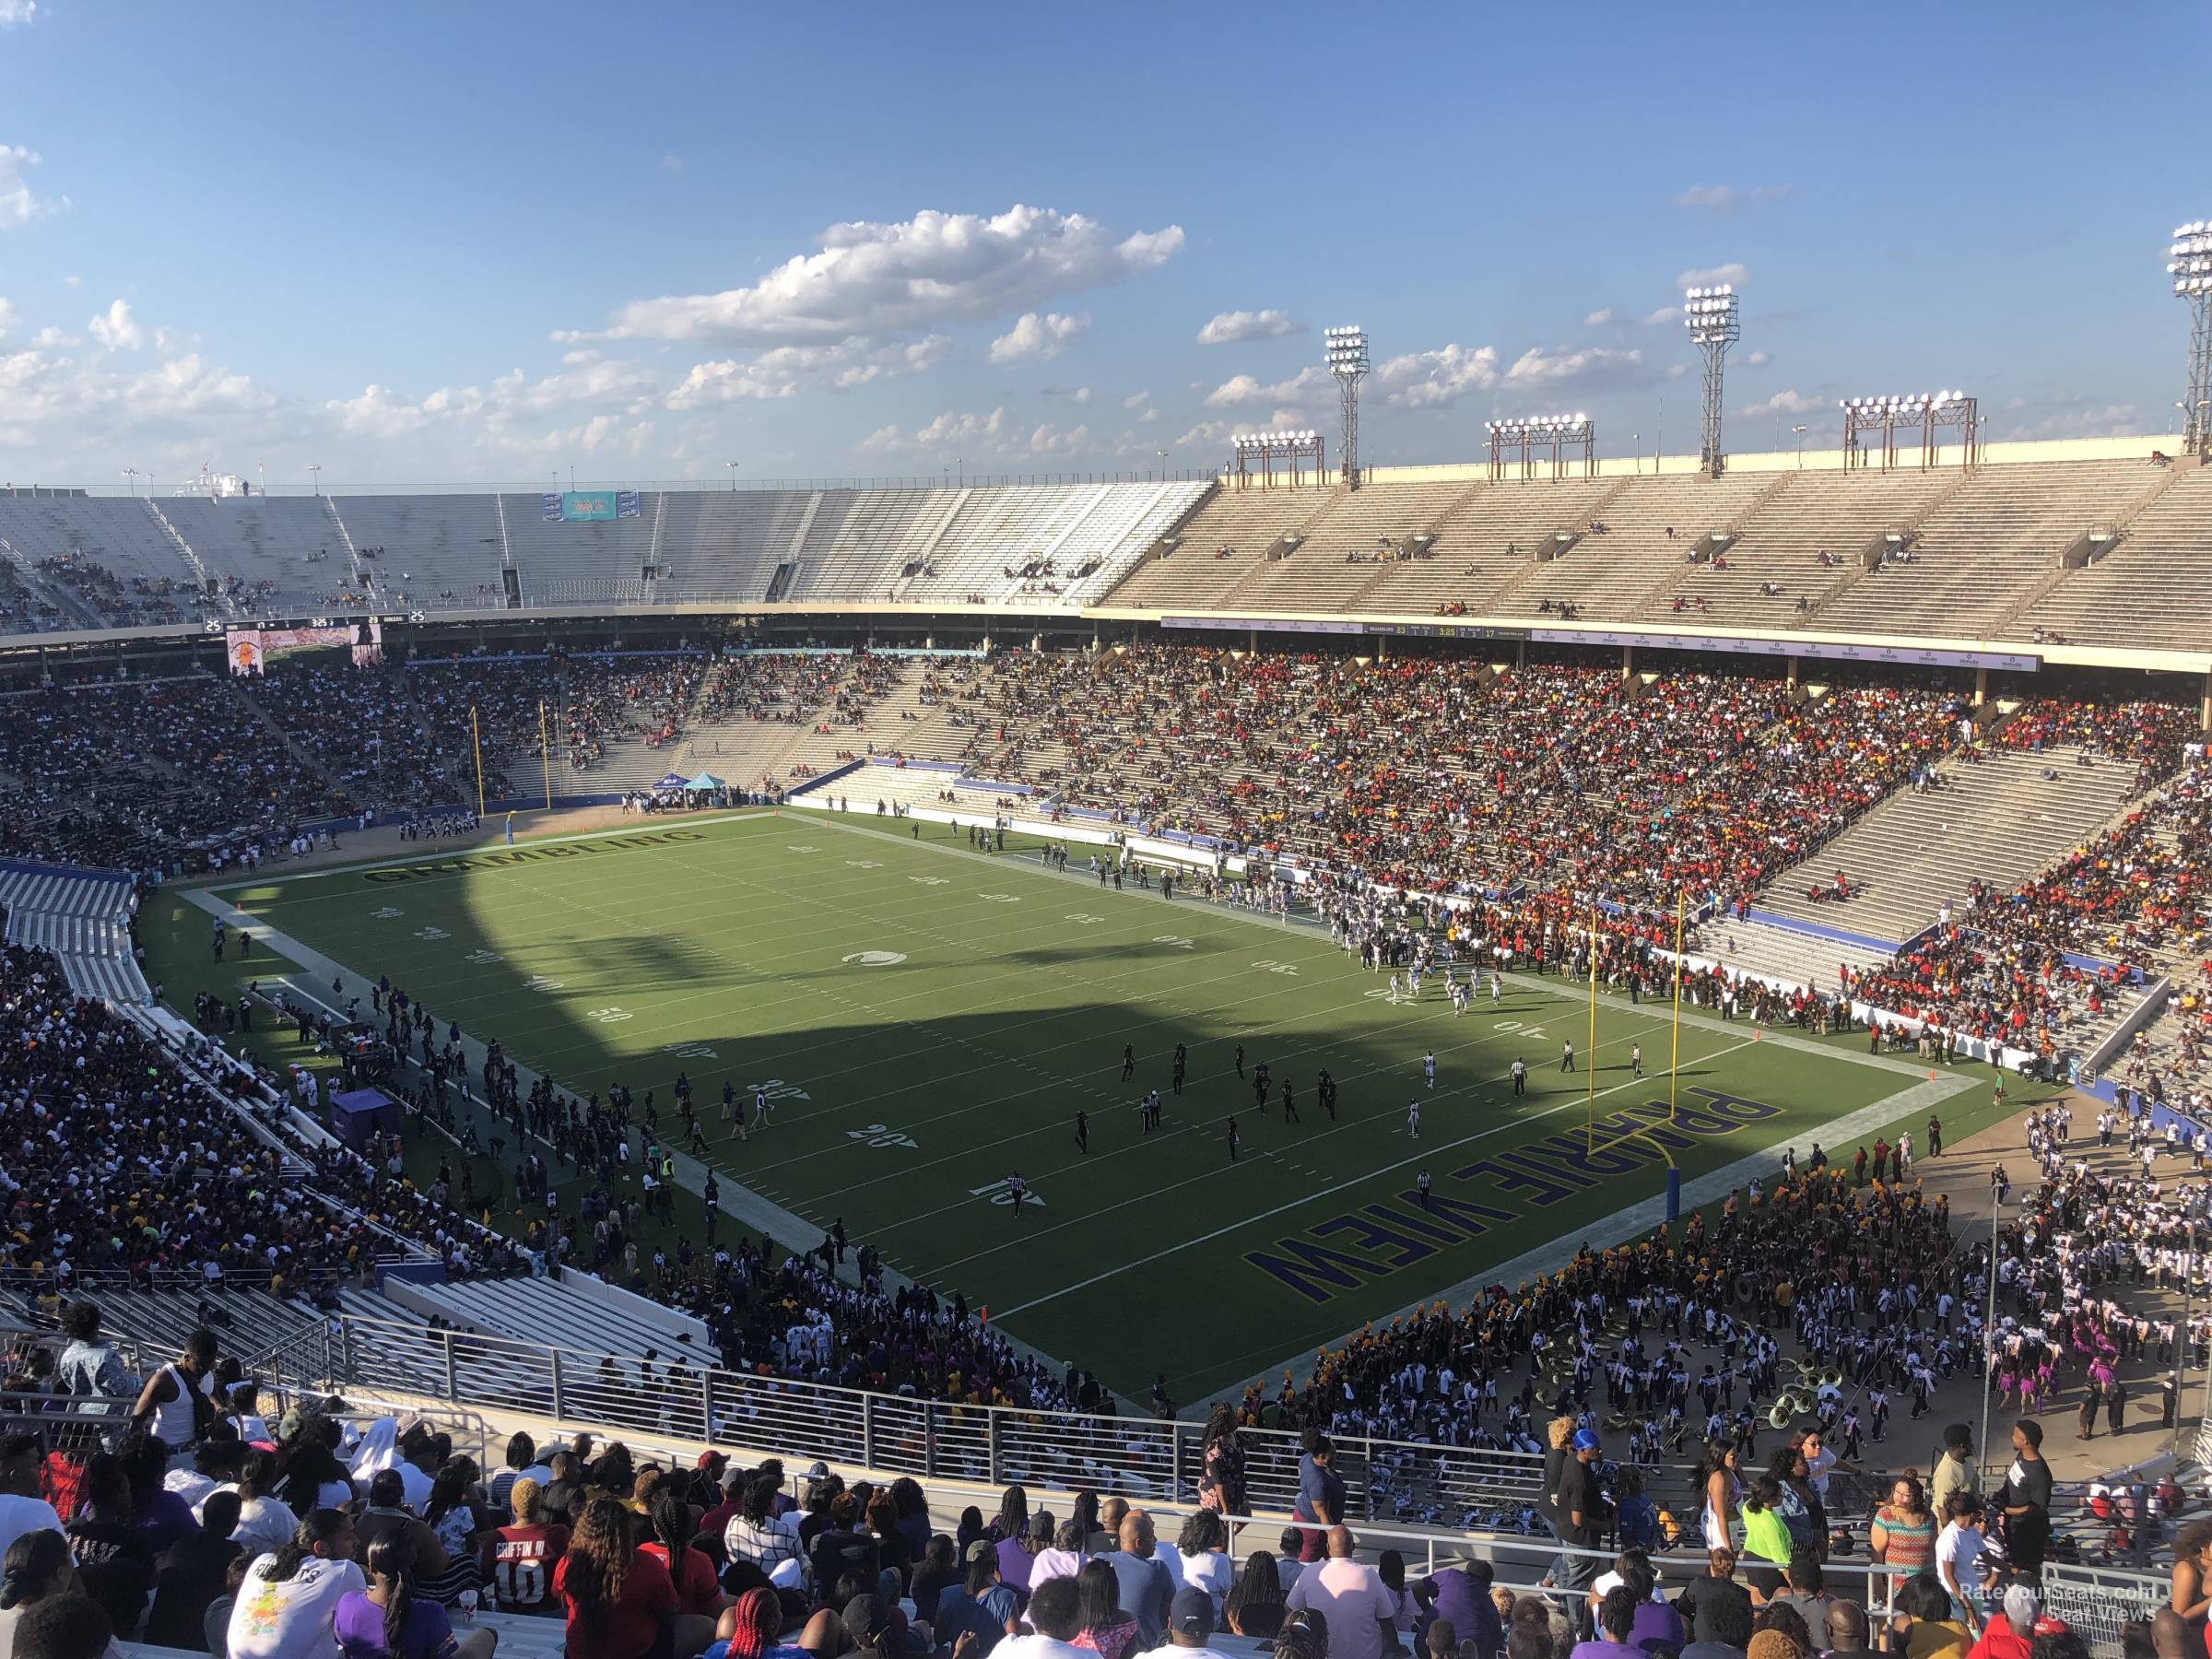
<point>1579,1524</point>
<point>1190,1621</point>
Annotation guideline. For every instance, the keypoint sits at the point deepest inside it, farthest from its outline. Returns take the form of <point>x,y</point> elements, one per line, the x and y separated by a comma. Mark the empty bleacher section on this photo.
<point>1988,542</point>
<point>1995,819</point>
<point>443,551</point>
<point>725,545</point>
<point>567,562</point>
<point>2157,583</point>
<point>1234,534</point>
<point>259,547</point>
<point>1782,544</point>
<point>82,918</point>
<point>1639,541</point>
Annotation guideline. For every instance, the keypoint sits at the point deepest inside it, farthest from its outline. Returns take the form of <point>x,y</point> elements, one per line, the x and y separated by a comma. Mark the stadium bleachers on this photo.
<point>437,545</point>
<point>1997,820</point>
<point>2156,583</point>
<point>1989,542</point>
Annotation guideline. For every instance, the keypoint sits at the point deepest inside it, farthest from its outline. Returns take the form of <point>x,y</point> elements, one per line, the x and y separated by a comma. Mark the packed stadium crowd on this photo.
<point>120,1162</point>
<point>1445,776</point>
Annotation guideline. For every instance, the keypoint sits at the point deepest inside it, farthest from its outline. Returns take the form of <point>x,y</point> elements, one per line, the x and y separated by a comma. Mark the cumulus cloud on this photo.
<point>13,12</point>
<point>871,278</point>
<point>1244,388</point>
<point>969,431</point>
<point>1208,432</point>
<point>789,370</point>
<point>1663,315</point>
<point>9,315</point>
<point>1230,328</point>
<point>45,394</point>
<point>1600,317</point>
<point>1726,199</point>
<point>1758,359</point>
<point>116,329</point>
<point>18,205</point>
<point>1731,275</point>
<point>1136,400</point>
<point>1437,380</point>
<point>1040,336</point>
<point>1592,369</point>
<point>1788,403</point>
<point>597,394</point>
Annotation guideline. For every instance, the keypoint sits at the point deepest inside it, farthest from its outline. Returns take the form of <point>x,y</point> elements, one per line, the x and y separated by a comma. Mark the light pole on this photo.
<point>1800,431</point>
<point>262,468</point>
<point>961,466</point>
<point>731,467</point>
<point>1710,315</point>
<point>1163,466</point>
<point>2189,263</point>
<point>314,471</point>
<point>1345,351</point>
<point>132,474</point>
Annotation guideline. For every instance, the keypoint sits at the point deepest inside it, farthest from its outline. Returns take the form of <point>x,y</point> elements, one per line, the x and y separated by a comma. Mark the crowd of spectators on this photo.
<point>122,1162</point>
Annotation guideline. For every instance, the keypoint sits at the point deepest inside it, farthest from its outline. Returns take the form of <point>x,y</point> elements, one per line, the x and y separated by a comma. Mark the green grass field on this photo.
<point>930,1019</point>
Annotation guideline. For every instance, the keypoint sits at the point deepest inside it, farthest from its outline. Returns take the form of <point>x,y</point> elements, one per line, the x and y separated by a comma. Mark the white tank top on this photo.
<point>173,1418</point>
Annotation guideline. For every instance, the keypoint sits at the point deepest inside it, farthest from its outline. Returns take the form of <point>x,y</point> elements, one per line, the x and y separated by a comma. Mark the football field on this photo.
<point>929,1020</point>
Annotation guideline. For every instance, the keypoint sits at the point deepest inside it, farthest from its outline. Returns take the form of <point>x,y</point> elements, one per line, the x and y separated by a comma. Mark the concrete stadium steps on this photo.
<point>880,532</point>
<point>1989,541</point>
<point>571,563</point>
<point>2155,584</point>
<point>1801,959</point>
<point>1999,822</point>
<point>725,545</point>
<point>1484,547</point>
<point>542,1310</point>
<point>1608,577</point>
<point>1837,512</point>
<point>431,545</point>
<point>84,920</point>
<point>1361,521</point>
<point>259,538</point>
<point>1245,521</point>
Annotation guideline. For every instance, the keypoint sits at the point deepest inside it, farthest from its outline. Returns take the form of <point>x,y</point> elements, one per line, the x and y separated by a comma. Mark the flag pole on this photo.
<point>545,752</point>
<point>1673,1060</point>
<point>475,738</point>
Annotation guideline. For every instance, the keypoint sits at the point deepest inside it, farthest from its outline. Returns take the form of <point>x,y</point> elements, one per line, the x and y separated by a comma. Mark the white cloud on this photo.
<point>596,393</point>
<point>73,281</point>
<point>1731,275</point>
<point>1136,400</point>
<point>1600,317</point>
<point>1040,336</point>
<point>672,162</point>
<point>1208,432</point>
<point>49,337</point>
<point>9,315</point>
<point>1308,381</point>
<point>116,329</point>
<point>1049,440</point>
<point>1663,315</point>
<point>872,279</point>
<point>1147,417</point>
<point>1758,359</point>
<point>1082,396</point>
<point>13,12</point>
<point>1592,369</point>
<point>1725,199</point>
<point>949,431</point>
<point>1788,403</point>
<point>1230,328</point>
<point>789,370</point>
<point>1436,380</point>
<point>18,207</point>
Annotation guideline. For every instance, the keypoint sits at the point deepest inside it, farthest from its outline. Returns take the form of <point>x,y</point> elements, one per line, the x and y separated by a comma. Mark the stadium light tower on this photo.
<point>2189,263</point>
<point>1710,313</point>
<point>1344,349</point>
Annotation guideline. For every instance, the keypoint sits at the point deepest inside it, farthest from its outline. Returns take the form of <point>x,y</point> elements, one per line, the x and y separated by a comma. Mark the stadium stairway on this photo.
<point>84,918</point>
<point>1998,820</point>
<point>248,1321</point>
<point>1766,950</point>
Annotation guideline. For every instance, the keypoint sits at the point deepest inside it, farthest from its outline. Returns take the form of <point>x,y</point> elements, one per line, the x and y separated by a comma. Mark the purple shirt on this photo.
<point>359,1626</point>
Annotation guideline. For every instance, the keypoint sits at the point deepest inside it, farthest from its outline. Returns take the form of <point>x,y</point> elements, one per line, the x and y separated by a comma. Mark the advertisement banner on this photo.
<point>587,506</point>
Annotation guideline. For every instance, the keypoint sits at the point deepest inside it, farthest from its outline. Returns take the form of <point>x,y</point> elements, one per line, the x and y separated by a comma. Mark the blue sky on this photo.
<point>432,243</point>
